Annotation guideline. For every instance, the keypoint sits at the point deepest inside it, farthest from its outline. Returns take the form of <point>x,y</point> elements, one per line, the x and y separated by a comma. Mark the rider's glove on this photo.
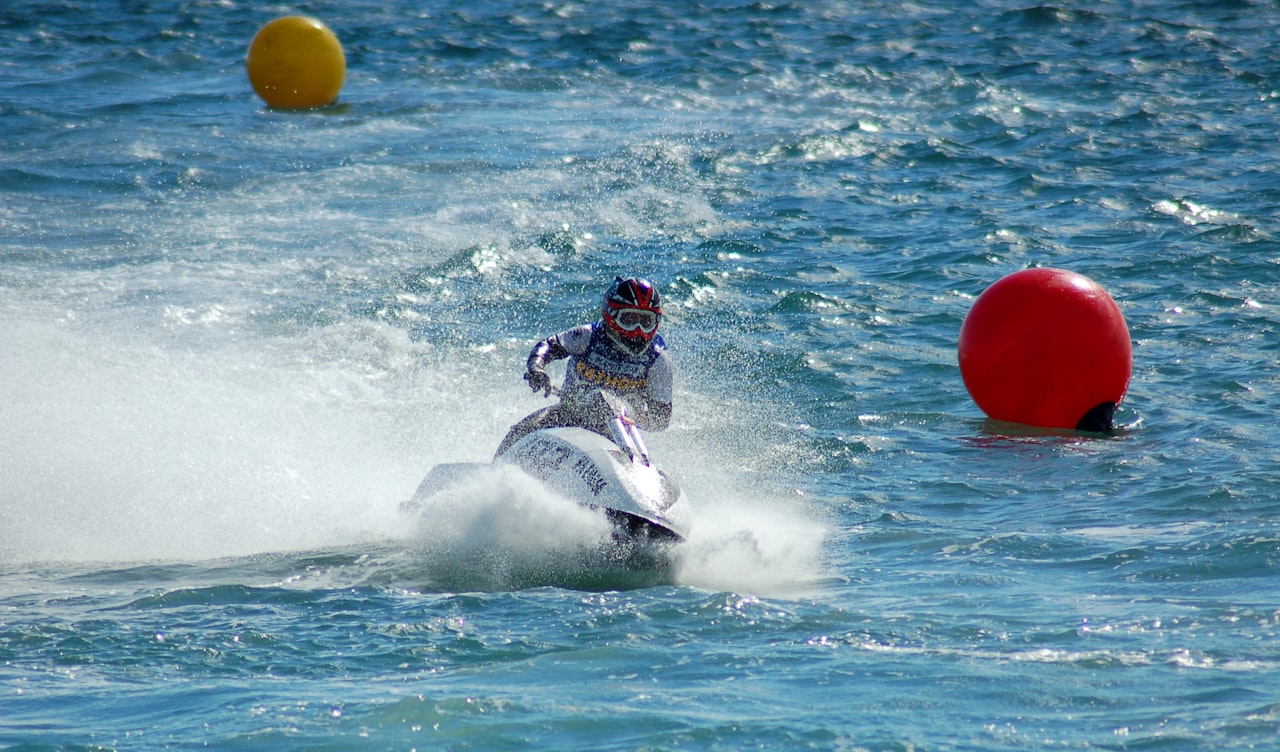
<point>538,381</point>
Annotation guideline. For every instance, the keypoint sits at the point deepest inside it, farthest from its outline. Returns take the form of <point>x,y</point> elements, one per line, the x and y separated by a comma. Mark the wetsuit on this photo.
<point>595,360</point>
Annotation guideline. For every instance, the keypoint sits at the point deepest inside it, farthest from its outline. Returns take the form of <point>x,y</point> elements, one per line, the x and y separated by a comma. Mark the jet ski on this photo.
<point>605,467</point>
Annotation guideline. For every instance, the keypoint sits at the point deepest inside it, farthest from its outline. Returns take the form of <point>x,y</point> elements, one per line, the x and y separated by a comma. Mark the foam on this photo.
<point>499,530</point>
<point>126,452</point>
<point>746,542</point>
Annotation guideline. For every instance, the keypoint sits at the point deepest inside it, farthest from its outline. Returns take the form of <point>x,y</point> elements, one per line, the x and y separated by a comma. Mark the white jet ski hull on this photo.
<point>584,466</point>
<point>642,501</point>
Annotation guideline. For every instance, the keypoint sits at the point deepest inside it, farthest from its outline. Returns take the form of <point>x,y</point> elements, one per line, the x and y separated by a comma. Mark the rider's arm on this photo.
<point>653,416</point>
<point>534,368</point>
<point>555,347</point>
<point>544,352</point>
<point>653,406</point>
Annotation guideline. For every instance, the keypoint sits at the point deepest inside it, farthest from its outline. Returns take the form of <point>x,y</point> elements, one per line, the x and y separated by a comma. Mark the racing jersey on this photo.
<point>595,361</point>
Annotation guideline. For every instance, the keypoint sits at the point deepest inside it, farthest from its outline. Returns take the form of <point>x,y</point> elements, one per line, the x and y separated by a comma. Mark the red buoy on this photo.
<point>1048,348</point>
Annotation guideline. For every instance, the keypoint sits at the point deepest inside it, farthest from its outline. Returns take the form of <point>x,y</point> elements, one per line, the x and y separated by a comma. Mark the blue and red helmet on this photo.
<point>631,312</point>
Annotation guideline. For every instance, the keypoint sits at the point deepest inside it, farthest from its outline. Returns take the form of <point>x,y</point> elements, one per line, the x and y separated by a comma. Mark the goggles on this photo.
<point>631,319</point>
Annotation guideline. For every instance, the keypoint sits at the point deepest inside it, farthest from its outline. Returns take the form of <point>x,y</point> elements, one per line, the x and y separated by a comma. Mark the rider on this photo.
<point>622,352</point>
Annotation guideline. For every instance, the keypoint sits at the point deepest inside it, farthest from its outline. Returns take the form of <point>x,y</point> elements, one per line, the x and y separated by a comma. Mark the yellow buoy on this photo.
<point>296,62</point>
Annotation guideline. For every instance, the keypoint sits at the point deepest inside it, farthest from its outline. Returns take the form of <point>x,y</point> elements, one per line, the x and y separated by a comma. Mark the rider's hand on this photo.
<point>538,381</point>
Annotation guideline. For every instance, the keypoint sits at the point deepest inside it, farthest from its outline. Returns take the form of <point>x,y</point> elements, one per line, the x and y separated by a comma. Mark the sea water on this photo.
<point>234,338</point>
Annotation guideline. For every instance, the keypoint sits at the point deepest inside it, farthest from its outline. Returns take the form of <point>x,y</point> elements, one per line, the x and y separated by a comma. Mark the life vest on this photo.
<point>604,364</point>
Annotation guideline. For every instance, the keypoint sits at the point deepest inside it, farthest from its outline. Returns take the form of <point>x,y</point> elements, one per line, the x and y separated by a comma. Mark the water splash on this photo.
<point>119,452</point>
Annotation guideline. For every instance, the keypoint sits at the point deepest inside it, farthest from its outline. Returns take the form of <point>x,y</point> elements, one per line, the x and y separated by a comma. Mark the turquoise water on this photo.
<point>235,338</point>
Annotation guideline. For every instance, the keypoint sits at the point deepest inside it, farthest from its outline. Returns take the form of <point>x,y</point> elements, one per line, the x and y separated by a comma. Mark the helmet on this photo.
<point>631,312</point>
